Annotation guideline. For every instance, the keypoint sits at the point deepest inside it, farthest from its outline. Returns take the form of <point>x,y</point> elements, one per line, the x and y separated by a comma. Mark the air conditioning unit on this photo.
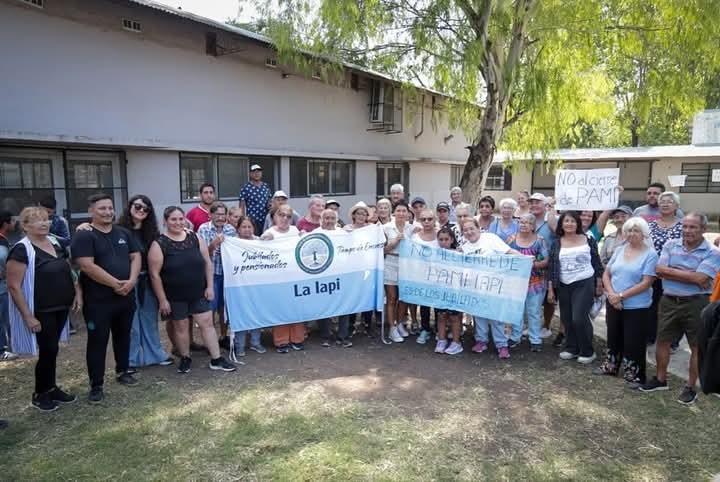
<point>706,128</point>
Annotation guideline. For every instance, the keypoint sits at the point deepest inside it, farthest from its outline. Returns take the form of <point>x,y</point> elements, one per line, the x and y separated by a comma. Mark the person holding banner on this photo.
<point>329,222</point>
<point>484,243</point>
<point>575,279</point>
<point>527,242</point>
<point>360,214</point>
<point>292,335</point>
<point>463,215</point>
<point>175,261</point>
<point>395,231</point>
<point>446,240</point>
<point>505,226</point>
<point>485,212</point>
<point>383,210</point>
<point>426,237</point>
<point>539,209</point>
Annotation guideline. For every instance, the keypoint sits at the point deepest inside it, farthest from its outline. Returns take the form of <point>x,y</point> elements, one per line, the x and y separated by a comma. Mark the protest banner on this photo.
<point>491,287</point>
<point>586,189</point>
<point>319,275</point>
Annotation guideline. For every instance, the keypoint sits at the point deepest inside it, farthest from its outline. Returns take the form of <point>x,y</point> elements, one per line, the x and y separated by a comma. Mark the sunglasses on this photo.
<point>141,207</point>
<point>427,219</point>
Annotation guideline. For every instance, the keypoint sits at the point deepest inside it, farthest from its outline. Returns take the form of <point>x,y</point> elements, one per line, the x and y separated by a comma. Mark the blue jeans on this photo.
<point>533,316</point>
<point>4,323</point>
<point>254,337</point>
<point>498,331</point>
<point>145,345</point>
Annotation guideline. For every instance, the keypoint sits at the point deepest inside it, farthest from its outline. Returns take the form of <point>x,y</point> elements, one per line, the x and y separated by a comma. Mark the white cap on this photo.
<point>280,194</point>
<point>256,167</point>
<point>538,197</point>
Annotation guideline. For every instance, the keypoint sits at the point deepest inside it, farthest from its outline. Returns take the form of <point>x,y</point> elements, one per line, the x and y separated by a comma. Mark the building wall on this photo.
<point>708,203</point>
<point>68,81</point>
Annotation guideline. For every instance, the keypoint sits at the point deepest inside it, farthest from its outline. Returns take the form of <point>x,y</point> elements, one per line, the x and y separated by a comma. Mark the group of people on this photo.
<point>655,273</point>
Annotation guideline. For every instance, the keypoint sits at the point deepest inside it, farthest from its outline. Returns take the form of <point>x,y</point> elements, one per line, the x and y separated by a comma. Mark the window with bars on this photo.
<point>226,171</point>
<point>700,177</point>
<point>389,174</point>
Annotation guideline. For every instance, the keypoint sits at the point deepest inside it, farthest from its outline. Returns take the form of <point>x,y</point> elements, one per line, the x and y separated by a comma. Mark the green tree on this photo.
<point>524,75</point>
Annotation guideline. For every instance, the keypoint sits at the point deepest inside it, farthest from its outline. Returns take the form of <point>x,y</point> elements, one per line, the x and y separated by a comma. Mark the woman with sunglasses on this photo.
<point>145,345</point>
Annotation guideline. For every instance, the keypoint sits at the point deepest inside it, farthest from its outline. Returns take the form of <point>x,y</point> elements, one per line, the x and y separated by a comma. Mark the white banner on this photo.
<point>586,189</point>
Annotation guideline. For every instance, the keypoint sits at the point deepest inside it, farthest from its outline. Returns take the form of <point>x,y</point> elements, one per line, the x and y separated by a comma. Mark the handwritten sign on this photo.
<point>491,287</point>
<point>319,275</point>
<point>716,175</point>
<point>586,189</point>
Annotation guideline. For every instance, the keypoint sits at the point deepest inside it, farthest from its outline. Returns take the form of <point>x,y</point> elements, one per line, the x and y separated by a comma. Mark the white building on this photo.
<point>129,96</point>
<point>132,97</point>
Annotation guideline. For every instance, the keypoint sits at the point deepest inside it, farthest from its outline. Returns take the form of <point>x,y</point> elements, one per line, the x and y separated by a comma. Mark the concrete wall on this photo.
<point>68,80</point>
<point>706,202</point>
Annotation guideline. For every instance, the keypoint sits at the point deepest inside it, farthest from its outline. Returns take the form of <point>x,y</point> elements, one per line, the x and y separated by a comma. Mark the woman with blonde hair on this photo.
<point>42,292</point>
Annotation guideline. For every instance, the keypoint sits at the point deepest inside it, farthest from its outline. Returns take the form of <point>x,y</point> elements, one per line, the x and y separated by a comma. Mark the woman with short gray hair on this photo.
<point>505,226</point>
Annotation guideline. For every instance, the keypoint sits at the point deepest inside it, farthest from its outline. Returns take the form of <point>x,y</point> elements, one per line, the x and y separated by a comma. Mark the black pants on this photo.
<point>575,301</point>
<point>47,338</point>
<point>652,319</point>
<point>425,318</point>
<point>626,342</point>
<point>102,319</point>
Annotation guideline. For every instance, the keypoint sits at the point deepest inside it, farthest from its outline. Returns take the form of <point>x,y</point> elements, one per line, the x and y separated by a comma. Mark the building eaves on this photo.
<point>264,40</point>
<point>621,153</point>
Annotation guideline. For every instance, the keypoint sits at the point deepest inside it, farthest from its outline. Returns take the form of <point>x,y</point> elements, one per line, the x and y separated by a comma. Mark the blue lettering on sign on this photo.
<point>320,288</point>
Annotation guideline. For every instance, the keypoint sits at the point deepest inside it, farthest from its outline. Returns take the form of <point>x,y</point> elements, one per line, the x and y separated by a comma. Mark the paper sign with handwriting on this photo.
<point>587,189</point>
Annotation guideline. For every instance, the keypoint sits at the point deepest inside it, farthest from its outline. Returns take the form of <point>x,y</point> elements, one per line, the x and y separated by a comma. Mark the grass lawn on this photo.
<point>371,412</point>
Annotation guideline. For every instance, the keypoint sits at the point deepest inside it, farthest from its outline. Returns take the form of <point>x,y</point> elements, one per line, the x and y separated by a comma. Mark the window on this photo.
<point>34,3</point>
<point>389,174</point>
<point>226,171</point>
<point>321,176</point>
<point>385,107</point>
<point>498,179</point>
<point>88,173</point>
<point>699,177</point>
<point>131,25</point>
<point>456,173</point>
<point>24,181</point>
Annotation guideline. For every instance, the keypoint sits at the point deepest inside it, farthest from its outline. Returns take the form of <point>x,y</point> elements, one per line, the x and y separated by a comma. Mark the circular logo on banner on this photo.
<point>314,253</point>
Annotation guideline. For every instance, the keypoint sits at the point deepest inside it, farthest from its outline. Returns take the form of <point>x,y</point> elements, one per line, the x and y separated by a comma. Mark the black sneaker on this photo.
<point>44,403</point>
<point>283,349</point>
<point>688,396</point>
<point>559,340</point>
<point>61,397</point>
<point>222,364</point>
<point>127,379</point>
<point>184,366</point>
<point>131,370</point>
<point>167,362</point>
<point>96,395</point>
<point>224,342</point>
<point>297,346</point>
<point>536,347</point>
<point>513,343</point>
<point>654,385</point>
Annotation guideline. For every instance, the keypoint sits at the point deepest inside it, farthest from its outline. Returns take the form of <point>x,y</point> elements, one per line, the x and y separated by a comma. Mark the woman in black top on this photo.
<point>43,300</point>
<point>182,277</point>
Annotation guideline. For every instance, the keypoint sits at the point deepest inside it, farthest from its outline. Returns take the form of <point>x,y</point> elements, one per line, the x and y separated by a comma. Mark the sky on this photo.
<point>220,10</point>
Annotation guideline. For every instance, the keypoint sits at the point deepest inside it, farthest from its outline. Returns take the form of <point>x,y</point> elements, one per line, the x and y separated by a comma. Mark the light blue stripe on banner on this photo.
<point>483,305</point>
<point>259,306</point>
<point>508,265</point>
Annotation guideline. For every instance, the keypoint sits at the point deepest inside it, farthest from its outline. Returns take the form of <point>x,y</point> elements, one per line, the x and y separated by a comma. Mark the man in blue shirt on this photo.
<point>255,198</point>
<point>687,268</point>
<point>538,208</point>
<point>58,224</point>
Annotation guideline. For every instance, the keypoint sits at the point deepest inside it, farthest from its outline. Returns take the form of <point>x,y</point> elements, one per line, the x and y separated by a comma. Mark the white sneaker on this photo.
<point>395,335</point>
<point>586,360</point>
<point>545,333</point>
<point>454,349</point>
<point>8,355</point>
<point>566,355</point>
<point>402,331</point>
<point>441,346</point>
<point>423,337</point>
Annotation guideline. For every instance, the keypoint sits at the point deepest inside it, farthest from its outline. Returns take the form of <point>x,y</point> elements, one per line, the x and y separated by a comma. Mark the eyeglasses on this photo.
<point>427,219</point>
<point>141,207</point>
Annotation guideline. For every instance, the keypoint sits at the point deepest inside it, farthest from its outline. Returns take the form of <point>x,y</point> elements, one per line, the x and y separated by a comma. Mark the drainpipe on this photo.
<point>422,118</point>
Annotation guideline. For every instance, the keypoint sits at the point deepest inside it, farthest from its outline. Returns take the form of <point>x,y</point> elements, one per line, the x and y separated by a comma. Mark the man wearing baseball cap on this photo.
<point>442,211</point>
<point>255,198</point>
<point>335,206</point>
<point>278,199</point>
<point>618,215</point>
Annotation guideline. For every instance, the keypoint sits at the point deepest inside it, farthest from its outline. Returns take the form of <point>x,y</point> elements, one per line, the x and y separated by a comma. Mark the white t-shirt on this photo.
<point>575,264</point>
<point>292,231</point>
<point>432,243</point>
<point>391,232</point>
<point>487,243</point>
